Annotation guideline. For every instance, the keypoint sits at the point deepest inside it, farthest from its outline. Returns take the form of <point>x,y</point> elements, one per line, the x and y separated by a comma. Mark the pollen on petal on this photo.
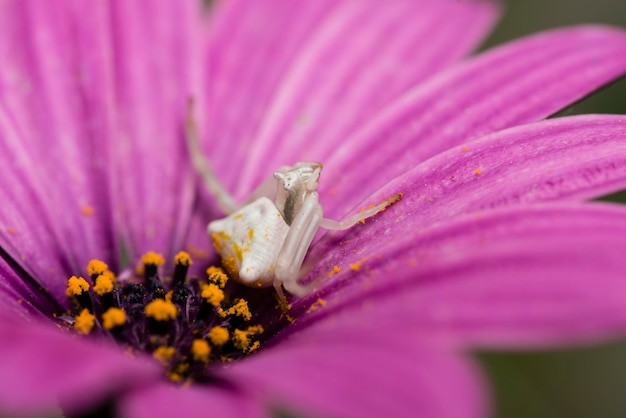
<point>84,322</point>
<point>87,210</point>
<point>183,258</point>
<point>218,336</point>
<point>200,350</point>
<point>112,318</point>
<point>96,267</point>
<point>212,294</point>
<point>152,258</point>
<point>161,310</point>
<point>76,286</point>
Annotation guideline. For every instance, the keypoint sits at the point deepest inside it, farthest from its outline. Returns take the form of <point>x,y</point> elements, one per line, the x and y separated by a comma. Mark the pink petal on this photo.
<point>521,82</point>
<point>42,365</point>
<point>21,296</point>
<point>285,75</point>
<point>362,372</point>
<point>81,124</point>
<point>199,400</point>
<point>526,276</point>
<point>564,159</point>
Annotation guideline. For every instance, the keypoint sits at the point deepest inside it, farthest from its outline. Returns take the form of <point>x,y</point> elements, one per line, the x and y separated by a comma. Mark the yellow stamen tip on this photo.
<point>218,336</point>
<point>152,258</point>
<point>103,285</point>
<point>96,267</point>
<point>212,294</point>
<point>161,310</point>
<point>164,354</point>
<point>84,322</point>
<point>76,286</point>
<point>183,259</point>
<point>114,317</point>
<point>216,275</point>
<point>200,350</point>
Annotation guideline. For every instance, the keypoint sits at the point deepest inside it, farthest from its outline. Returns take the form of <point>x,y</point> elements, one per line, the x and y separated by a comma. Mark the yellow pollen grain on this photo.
<point>355,266</point>
<point>212,294</point>
<point>241,340</point>
<point>183,259</point>
<point>319,303</point>
<point>240,309</point>
<point>216,275</point>
<point>217,242</point>
<point>161,310</point>
<point>164,354</point>
<point>84,322</point>
<point>103,285</point>
<point>87,210</point>
<point>110,275</point>
<point>250,233</point>
<point>255,345</point>
<point>218,336</point>
<point>152,258</point>
<point>200,350</point>
<point>113,317</point>
<point>76,286</point>
<point>96,267</point>
<point>334,271</point>
<point>477,171</point>
<point>464,149</point>
<point>238,252</point>
<point>10,230</point>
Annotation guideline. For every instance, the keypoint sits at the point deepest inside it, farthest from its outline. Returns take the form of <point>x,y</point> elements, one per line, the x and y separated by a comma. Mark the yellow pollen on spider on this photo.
<point>113,317</point>
<point>84,322</point>
<point>103,285</point>
<point>161,310</point>
<point>183,259</point>
<point>218,336</point>
<point>76,286</point>
<point>212,294</point>
<point>96,267</point>
<point>240,309</point>
<point>200,350</point>
<point>164,354</point>
<point>152,258</point>
<point>216,275</point>
<point>231,267</point>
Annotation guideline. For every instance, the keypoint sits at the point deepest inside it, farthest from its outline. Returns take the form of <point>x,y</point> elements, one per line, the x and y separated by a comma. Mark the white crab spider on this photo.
<point>268,238</point>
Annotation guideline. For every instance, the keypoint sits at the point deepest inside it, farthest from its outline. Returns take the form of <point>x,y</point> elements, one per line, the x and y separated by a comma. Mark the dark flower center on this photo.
<point>185,323</point>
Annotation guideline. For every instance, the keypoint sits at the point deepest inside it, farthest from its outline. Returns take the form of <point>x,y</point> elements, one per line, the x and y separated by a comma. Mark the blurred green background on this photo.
<point>586,381</point>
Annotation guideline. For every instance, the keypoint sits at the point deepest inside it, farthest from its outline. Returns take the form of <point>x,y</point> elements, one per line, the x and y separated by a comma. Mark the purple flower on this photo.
<point>492,244</point>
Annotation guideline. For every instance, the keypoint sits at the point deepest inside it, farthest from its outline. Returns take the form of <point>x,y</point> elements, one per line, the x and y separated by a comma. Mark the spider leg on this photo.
<point>225,200</point>
<point>358,217</point>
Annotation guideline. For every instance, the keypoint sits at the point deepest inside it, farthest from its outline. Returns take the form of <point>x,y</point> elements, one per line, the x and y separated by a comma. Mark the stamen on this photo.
<point>185,323</point>
<point>114,317</point>
<point>96,268</point>
<point>200,350</point>
<point>161,310</point>
<point>218,336</point>
<point>183,261</point>
<point>212,294</point>
<point>84,322</point>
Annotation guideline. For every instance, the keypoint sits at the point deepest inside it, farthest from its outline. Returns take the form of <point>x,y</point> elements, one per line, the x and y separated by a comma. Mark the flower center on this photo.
<point>185,323</point>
